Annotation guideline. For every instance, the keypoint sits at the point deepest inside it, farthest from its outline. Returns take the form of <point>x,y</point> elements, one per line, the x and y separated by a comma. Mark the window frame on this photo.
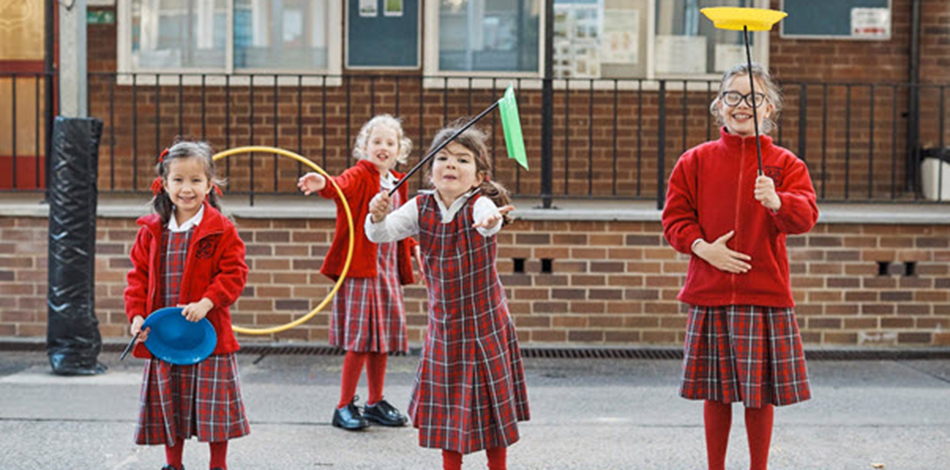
<point>430,61</point>
<point>125,68</point>
<point>436,77</point>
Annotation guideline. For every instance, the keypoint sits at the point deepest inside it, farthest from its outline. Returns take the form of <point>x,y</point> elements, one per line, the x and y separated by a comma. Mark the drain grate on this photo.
<point>535,352</point>
<point>602,353</point>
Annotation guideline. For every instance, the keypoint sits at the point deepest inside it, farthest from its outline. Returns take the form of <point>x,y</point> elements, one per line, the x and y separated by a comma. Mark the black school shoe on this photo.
<point>169,467</point>
<point>349,417</point>
<point>385,414</point>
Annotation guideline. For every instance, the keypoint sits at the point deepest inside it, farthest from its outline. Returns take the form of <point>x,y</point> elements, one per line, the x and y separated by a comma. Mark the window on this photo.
<point>225,36</point>
<point>687,43</point>
<point>647,39</point>
<point>493,36</point>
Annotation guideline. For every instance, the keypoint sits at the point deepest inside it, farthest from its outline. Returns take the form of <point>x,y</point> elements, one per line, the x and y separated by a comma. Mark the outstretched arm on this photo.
<point>390,226</point>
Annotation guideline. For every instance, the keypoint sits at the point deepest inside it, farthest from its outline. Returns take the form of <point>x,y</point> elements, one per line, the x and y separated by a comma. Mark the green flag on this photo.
<point>511,124</point>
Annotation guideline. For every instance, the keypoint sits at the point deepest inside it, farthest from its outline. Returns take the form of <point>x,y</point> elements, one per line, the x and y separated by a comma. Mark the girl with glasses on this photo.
<point>742,339</point>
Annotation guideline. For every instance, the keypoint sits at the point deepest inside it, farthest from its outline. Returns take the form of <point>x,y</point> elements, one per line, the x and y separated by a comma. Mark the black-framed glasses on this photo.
<point>733,98</point>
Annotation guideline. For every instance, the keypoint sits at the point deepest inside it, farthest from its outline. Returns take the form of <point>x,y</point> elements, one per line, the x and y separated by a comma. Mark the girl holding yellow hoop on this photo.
<point>369,318</point>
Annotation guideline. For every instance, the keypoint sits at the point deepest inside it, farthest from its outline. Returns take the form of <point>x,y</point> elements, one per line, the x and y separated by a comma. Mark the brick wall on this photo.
<point>603,146</point>
<point>609,282</point>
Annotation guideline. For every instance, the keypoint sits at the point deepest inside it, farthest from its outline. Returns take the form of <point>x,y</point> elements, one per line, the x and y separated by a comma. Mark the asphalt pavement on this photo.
<point>586,414</point>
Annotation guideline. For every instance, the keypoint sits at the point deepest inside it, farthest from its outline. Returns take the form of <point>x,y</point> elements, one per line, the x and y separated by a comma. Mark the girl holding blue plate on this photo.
<point>188,255</point>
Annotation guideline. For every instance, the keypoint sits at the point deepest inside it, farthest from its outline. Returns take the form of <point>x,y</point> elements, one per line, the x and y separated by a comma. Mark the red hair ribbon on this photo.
<point>157,183</point>
<point>217,189</point>
<point>157,186</point>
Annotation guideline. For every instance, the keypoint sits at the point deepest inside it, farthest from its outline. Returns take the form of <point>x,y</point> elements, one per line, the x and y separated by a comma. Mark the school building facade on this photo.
<point>630,84</point>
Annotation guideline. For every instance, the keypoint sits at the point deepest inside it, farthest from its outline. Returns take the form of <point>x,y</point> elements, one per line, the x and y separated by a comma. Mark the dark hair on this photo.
<point>474,140</point>
<point>161,203</point>
<point>771,91</point>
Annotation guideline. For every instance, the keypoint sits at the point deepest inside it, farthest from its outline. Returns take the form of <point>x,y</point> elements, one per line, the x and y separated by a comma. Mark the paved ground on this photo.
<point>587,414</point>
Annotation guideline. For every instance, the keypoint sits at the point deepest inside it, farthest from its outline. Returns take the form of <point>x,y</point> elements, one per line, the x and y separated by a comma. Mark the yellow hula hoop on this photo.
<point>349,221</point>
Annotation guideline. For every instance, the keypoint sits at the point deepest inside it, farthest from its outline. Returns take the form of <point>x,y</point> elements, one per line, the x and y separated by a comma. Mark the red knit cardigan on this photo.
<point>360,183</point>
<point>711,193</point>
<point>215,269</point>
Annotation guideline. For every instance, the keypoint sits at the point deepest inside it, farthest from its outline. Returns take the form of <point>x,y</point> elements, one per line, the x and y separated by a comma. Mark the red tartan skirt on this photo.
<point>368,312</point>
<point>202,400</point>
<point>744,353</point>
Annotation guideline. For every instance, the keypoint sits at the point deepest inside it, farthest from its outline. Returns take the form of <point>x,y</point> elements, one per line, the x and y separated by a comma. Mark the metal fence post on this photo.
<point>661,147</point>
<point>547,109</point>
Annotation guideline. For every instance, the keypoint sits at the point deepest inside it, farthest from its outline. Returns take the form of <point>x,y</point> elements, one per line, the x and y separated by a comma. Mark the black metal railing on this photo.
<point>23,130</point>
<point>613,138</point>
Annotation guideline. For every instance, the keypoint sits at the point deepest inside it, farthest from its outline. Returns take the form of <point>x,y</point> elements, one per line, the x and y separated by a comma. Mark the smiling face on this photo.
<point>738,119</point>
<point>382,148</point>
<point>454,172</point>
<point>187,185</point>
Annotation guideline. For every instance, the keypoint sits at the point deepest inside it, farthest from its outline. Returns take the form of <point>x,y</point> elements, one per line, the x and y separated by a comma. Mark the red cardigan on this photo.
<point>711,193</point>
<point>360,183</point>
<point>214,269</point>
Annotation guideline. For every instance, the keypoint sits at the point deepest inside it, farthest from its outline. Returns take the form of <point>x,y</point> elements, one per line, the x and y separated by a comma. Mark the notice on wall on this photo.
<point>393,8</point>
<point>870,23</point>
<point>620,42</point>
<point>728,56</point>
<point>368,8</point>
<point>680,54</point>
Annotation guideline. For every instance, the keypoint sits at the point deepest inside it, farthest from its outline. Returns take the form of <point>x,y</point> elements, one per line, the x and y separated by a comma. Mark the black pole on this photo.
<point>441,146</point>
<point>913,101</point>
<point>547,109</point>
<point>755,112</point>
<point>49,33</point>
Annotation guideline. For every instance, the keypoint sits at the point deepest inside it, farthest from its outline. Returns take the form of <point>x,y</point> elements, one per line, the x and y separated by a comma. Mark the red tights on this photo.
<point>497,459</point>
<point>219,454</point>
<point>758,423</point>
<point>375,374</point>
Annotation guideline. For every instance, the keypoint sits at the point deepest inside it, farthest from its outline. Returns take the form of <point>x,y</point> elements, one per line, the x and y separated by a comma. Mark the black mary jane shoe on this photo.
<point>349,417</point>
<point>385,414</point>
<point>170,467</point>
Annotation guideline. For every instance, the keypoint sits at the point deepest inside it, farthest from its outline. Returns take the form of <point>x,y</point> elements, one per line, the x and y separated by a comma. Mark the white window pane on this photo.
<point>179,34</point>
<point>688,43</point>
<point>489,35</point>
<point>280,34</point>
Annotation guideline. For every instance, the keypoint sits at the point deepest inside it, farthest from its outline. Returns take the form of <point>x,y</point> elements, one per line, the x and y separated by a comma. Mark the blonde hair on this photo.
<point>771,91</point>
<point>475,141</point>
<point>362,139</point>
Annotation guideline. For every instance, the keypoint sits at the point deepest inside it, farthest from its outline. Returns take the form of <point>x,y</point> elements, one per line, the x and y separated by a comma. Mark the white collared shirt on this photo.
<point>192,222</point>
<point>387,181</point>
<point>404,222</point>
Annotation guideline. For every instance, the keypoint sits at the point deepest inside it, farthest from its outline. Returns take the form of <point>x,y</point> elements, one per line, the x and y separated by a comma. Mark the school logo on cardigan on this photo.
<point>205,247</point>
<point>774,172</point>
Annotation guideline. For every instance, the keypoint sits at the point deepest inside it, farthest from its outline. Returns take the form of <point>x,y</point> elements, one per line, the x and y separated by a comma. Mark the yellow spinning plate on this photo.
<point>735,18</point>
<point>349,220</point>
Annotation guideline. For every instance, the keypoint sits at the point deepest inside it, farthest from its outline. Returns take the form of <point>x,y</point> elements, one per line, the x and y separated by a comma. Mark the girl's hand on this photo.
<point>137,328</point>
<point>492,220</point>
<point>765,193</point>
<point>379,207</point>
<point>195,311</point>
<point>311,183</point>
<point>721,257</point>
<point>417,253</point>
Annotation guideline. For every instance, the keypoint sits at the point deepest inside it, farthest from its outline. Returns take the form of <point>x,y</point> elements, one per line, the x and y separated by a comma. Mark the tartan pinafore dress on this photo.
<point>744,353</point>
<point>368,312</point>
<point>469,392</point>
<point>203,399</point>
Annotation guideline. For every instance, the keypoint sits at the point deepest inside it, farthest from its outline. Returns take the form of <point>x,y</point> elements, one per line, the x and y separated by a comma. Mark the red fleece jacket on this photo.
<point>214,268</point>
<point>360,183</point>
<point>711,193</point>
